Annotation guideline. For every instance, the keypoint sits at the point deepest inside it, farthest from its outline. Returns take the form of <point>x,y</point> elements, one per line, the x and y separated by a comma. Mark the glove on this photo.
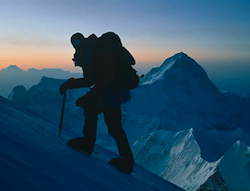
<point>63,88</point>
<point>66,85</point>
<point>87,99</point>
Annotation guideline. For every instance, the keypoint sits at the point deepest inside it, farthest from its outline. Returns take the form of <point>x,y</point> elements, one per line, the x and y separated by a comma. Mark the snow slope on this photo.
<point>33,157</point>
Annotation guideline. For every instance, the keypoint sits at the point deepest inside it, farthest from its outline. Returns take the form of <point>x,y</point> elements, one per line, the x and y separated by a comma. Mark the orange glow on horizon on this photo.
<point>59,57</point>
<point>38,59</point>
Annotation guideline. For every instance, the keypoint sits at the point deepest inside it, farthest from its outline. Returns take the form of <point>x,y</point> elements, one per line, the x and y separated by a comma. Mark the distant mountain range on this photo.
<point>180,126</point>
<point>13,76</point>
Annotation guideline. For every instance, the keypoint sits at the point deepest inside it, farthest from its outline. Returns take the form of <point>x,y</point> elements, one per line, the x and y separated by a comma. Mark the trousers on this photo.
<point>113,117</point>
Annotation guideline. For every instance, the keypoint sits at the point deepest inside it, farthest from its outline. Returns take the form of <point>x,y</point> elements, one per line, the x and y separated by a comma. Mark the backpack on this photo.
<point>127,76</point>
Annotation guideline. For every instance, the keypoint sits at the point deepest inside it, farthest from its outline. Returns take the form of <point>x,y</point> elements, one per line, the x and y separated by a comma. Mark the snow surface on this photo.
<point>33,157</point>
<point>179,124</point>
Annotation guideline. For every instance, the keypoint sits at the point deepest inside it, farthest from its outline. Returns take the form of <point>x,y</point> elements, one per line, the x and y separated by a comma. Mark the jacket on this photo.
<point>100,73</point>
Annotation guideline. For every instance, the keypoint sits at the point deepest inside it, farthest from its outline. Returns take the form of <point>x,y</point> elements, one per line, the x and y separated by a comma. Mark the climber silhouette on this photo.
<point>101,73</point>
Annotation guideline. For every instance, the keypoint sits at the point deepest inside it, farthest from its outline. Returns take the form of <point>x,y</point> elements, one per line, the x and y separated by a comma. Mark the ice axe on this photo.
<point>60,127</point>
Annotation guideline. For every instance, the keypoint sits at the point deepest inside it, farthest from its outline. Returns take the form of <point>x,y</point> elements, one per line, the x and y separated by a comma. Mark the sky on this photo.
<point>216,33</point>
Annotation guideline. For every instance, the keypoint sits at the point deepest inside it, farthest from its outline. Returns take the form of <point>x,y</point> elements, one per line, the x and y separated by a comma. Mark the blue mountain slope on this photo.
<point>33,157</point>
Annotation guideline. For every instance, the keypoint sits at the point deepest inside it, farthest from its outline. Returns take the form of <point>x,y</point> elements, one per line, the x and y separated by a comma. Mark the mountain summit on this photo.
<point>180,68</point>
<point>180,83</point>
<point>158,73</point>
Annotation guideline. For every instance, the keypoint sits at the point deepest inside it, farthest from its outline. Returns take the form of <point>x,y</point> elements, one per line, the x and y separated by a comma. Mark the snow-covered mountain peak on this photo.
<point>158,72</point>
<point>172,155</point>
<point>180,65</point>
<point>186,133</point>
<point>161,141</point>
<point>233,170</point>
<point>162,146</point>
<point>240,145</point>
<point>239,148</point>
<point>184,141</point>
<point>168,62</point>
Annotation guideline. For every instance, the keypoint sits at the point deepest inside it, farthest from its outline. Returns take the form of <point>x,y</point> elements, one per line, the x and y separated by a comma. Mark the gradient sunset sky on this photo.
<point>35,33</point>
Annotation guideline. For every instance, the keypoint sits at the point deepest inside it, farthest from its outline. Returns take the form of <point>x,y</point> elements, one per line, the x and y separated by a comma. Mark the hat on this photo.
<point>77,40</point>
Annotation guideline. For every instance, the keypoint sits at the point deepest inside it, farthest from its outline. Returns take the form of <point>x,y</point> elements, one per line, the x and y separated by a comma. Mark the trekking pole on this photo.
<point>60,127</point>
